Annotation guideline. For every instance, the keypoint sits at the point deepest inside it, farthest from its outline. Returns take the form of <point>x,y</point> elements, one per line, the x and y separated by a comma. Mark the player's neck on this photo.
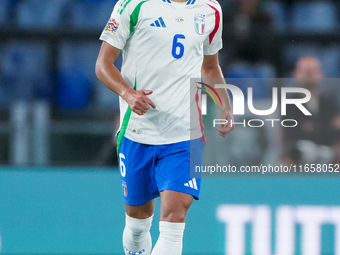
<point>179,1</point>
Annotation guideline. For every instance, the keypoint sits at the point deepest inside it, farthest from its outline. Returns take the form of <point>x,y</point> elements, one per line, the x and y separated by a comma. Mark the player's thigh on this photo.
<point>136,164</point>
<point>141,211</point>
<point>175,205</point>
<point>172,170</point>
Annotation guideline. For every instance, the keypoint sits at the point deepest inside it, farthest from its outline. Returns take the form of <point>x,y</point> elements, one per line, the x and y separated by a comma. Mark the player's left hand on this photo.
<point>225,129</point>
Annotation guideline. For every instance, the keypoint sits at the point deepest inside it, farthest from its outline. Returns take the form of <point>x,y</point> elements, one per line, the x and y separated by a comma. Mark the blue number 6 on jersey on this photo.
<point>176,44</point>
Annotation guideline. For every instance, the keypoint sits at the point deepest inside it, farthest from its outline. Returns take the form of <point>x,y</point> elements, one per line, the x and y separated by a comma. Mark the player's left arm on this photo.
<point>211,69</point>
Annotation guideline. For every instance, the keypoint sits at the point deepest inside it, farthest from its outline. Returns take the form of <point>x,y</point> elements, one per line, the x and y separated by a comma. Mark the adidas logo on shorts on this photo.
<point>192,184</point>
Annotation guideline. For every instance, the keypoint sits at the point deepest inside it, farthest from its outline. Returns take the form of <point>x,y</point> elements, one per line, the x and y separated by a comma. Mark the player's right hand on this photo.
<point>139,102</point>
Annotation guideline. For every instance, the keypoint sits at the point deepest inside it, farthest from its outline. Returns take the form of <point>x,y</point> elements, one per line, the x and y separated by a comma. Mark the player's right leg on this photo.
<point>136,163</point>
<point>136,235</point>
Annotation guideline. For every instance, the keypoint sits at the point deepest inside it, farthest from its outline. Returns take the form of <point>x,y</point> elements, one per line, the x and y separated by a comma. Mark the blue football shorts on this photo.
<point>147,170</point>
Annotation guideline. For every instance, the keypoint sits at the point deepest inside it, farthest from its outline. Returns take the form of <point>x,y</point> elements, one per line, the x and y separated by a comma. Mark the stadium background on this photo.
<point>59,183</point>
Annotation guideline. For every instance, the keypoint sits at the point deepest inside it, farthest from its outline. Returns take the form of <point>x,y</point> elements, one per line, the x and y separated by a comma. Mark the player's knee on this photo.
<point>136,233</point>
<point>137,228</point>
<point>174,214</point>
<point>174,217</point>
<point>139,214</point>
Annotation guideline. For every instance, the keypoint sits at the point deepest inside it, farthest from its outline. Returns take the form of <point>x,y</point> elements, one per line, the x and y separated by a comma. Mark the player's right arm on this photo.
<point>112,78</point>
<point>115,35</point>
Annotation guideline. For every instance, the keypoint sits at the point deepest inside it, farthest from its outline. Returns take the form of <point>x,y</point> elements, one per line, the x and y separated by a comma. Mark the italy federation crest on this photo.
<point>200,23</point>
<point>124,186</point>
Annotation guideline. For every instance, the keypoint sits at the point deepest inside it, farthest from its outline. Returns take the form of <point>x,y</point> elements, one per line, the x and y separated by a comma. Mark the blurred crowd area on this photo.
<point>48,50</point>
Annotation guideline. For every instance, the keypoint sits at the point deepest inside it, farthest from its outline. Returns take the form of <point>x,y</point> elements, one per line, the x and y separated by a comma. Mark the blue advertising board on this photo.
<point>77,210</point>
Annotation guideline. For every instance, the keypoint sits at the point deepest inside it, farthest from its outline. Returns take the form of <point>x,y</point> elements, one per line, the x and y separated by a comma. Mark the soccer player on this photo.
<point>164,44</point>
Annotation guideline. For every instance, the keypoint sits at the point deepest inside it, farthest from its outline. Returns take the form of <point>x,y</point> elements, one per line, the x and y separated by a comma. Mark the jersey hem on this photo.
<point>159,142</point>
<point>184,192</point>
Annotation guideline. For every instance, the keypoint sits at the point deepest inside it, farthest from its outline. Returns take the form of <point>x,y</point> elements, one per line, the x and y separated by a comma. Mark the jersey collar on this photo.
<point>189,2</point>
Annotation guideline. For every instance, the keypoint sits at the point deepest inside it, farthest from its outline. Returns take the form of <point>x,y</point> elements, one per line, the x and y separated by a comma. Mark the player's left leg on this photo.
<point>174,208</point>
<point>177,190</point>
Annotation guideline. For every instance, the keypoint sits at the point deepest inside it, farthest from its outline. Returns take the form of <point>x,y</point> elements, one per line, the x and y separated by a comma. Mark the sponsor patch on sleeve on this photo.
<point>112,26</point>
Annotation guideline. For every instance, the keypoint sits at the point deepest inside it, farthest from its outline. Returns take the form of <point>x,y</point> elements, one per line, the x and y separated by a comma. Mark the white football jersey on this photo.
<point>163,45</point>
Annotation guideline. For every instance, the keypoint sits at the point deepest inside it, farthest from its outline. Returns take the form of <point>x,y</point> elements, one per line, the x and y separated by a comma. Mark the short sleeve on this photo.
<point>213,43</point>
<point>117,29</point>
